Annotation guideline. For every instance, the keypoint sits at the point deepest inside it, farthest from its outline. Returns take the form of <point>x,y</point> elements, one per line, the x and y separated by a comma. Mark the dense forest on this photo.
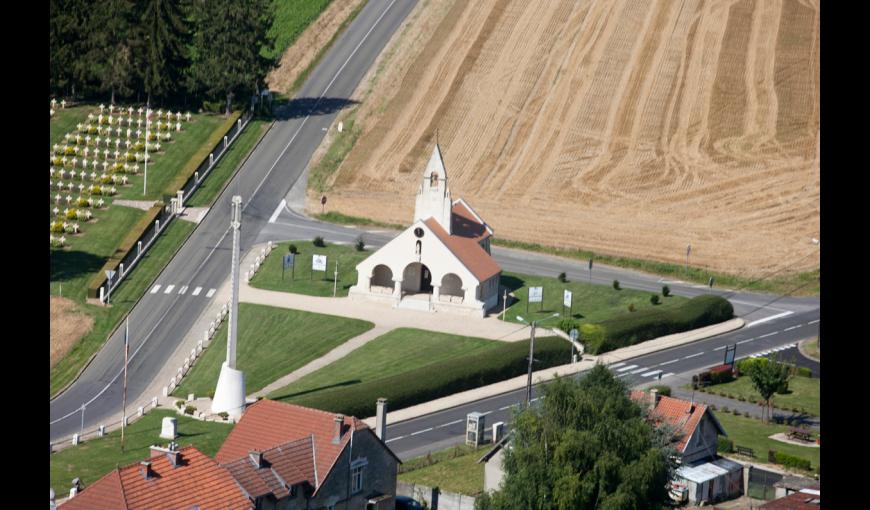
<point>191,53</point>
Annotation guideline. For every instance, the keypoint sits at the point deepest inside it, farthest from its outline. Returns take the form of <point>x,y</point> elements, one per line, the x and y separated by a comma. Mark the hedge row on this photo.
<point>724,445</point>
<point>787,460</point>
<point>127,244</point>
<point>201,155</point>
<point>635,327</point>
<point>439,379</point>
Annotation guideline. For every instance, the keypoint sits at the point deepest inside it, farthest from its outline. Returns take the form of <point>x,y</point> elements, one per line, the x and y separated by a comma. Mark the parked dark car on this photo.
<point>406,503</point>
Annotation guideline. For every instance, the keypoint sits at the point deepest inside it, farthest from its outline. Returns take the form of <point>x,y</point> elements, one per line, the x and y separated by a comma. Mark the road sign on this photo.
<point>567,298</point>
<point>536,294</point>
<point>318,262</point>
<point>574,334</point>
<point>730,353</point>
<point>110,274</point>
<point>289,260</point>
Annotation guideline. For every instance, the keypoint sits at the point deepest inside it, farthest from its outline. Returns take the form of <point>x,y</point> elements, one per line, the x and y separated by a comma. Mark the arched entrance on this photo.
<point>382,276</point>
<point>417,279</point>
<point>451,285</point>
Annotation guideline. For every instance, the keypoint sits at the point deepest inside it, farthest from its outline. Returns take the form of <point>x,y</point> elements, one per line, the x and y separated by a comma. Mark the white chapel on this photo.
<point>441,262</point>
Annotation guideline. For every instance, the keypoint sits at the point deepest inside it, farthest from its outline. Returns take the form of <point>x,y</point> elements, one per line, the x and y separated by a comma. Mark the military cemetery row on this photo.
<point>94,161</point>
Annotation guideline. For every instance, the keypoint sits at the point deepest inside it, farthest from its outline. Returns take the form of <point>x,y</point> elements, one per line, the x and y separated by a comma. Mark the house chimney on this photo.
<point>653,398</point>
<point>381,421</point>
<point>256,458</point>
<point>339,422</point>
<point>76,487</point>
<point>145,469</point>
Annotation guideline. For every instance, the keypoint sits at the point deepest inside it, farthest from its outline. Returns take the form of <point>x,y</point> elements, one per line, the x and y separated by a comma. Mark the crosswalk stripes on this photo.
<point>196,291</point>
<point>615,365</point>
<point>183,289</point>
<point>168,289</point>
<point>155,289</point>
<point>210,293</point>
<point>623,369</point>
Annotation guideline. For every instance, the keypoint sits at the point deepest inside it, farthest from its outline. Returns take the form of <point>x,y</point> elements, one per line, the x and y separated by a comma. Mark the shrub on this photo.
<point>746,414</point>
<point>319,242</point>
<point>438,379</point>
<point>616,284</point>
<point>57,227</point>
<point>655,299</point>
<point>804,372</point>
<point>713,407</point>
<point>721,374</point>
<point>736,412</point>
<point>292,249</point>
<point>360,244</point>
<point>752,399</point>
<point>631,307</point>
<point>741,398</point>
<point>567,325</point>
<point>190,410</point>
<point>106,180</point>
<point>562,277</point>
<point>72,214</point>
<point>724,445</point>
<point>224,415</point>
<point>179,403</point>
<point>787,460</point>
<point>663,389</point>
<point>725,409</point>
<point>632,328</point>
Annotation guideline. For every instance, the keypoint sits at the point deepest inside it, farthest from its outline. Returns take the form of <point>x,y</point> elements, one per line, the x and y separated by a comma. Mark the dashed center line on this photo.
<point>693,355</point>
<point>813,322</point>
<point>720,348</point>
<point>448,424</point>
<point>769,334</point>
<point>623,369</point>
<point>668,362</point>
<point>421,431</point>
<point>744,341</point>
<point>639,370</point>
<point>394,439</point>
<point>183,289</point>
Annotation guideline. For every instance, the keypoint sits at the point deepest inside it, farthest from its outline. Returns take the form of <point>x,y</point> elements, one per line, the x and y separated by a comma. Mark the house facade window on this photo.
<point>356,476</point>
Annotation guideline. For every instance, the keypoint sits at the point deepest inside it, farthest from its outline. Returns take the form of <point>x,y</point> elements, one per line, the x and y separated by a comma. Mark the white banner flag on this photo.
<point>567,299</point>
<point>536,294</point>
<point>318,262</point>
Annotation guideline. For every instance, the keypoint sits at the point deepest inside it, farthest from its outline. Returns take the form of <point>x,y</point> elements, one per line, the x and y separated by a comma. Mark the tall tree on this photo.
<point>67,45</point>
<point>768,377</point>
<point>229,36</point>
<point>587,446</point>
<point>165,36</point>
<point>108,58</point>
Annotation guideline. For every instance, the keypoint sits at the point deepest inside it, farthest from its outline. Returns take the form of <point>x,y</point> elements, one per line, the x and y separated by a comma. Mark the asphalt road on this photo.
<point>163,317</point>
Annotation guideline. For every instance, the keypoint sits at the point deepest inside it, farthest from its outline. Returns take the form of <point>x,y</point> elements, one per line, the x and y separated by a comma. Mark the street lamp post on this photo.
<point>533,325</point>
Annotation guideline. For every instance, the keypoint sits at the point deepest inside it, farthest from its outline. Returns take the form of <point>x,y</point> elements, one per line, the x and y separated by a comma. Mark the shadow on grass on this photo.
<point>68,265</point>
<point>512,283</point>
<point>313,390</point>
<point>305,106</point>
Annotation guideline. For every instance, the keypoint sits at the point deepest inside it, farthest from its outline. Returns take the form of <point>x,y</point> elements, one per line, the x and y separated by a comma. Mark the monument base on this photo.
<point>229,396</point>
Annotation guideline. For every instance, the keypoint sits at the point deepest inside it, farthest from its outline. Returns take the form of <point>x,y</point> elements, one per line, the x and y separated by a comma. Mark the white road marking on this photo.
<point>769,334</point>
<point>766,319</point>
<point>421,431</point>
<point>617,364</point>
<point>744,341</point>
<point>277,211</point>
<point>505,407</point>
<point>196,291</point>
<point>448,424</point>
<point>623,369</point>
<point>813,322</point>
<point>155,289</point>
<point>622,375</point>
<point>693,355</point>
<point>668,362</point>
<point>183,289</point>
<point>169,289</point>
<point>639,370</point>
<point>667,375</point>
<point>654,372</point>
<point>394,439</point>
<point>720,348</point>
<point>210,293</point>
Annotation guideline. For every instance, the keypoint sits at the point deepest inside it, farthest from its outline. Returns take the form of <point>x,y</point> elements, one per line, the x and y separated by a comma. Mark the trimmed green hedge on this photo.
<point>787,460</point>
<point>201,155</point>
<point>632,328</point>
<point>127,244</point>
<point>438,379</point>
<point>724,445</point>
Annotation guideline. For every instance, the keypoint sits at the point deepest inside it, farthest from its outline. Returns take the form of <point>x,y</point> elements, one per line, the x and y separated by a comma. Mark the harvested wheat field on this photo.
<point>630,128</point>
<point>66,327</point>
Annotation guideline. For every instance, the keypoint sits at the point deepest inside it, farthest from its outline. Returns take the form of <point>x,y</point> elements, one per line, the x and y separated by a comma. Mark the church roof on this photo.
<point>467,223</point>
<point>466,249</point>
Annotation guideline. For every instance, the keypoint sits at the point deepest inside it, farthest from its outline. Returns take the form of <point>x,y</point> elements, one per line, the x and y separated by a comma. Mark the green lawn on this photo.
<point>452,470</point>
<point>106,318</point>
<point>273,342</point>
<point>752,433</point>
<point>65,121</point>
<point>591,303</point>
<point>804,392</point>
<point>812,348</point>
<point>398,351</point>
<point>291,19</point>
<point>220,174</point>
<point>311,283</point>
<point>93,459</point>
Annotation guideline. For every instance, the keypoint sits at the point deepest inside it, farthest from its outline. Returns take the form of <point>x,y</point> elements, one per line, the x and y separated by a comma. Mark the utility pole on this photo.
<point>531,360</point>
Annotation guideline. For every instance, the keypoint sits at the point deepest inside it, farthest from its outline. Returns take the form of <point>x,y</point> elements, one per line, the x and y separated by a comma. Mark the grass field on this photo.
<point>272,343</point>
<point>591,303</point>
<point>452,470</point>
<point>93,459</point>
<point>396,352</point>
<point>311,283</point>
<point>106,318</point>
<point>752,433</point>
<point>812,349</point>
<point>65,121</point>
<point>291,18</point>
<point>220,174</point>
<point>804,392</point>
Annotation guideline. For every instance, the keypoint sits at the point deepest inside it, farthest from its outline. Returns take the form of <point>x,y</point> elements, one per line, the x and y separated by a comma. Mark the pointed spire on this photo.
<point>436,165</point>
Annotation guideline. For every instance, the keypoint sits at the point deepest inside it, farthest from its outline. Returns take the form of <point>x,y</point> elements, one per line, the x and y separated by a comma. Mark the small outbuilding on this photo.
<point>714,481</point>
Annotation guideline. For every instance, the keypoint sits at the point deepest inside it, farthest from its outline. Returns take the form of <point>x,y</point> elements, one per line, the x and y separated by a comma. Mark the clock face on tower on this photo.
<point>418,232</point>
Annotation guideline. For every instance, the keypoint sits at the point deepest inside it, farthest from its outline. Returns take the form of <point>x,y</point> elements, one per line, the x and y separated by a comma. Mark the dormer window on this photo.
<point>433,180</point>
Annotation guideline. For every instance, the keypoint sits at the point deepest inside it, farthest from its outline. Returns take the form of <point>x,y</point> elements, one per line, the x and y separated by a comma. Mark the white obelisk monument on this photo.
<point>229,396</point>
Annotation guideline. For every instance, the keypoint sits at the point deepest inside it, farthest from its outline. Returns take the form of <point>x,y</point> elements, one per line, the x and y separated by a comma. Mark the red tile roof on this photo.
<point>466,249</point>
<point>794,501</point>
<point>675,411</point>
<point>267,424</point>
<point>197,481</point>
<point>284,466</point>
<point>467,223</point>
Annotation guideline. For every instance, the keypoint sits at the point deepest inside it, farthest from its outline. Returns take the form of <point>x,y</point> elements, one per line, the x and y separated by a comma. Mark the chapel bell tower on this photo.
<point>433,197</point>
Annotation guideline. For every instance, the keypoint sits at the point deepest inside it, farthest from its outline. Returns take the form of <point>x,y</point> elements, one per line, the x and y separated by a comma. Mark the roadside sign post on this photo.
<point>335,280</point>
<point>710,283</point>
<point>504,305</point>
<point>536,295</point>
<point>568,302</point>
<point>688,251</point>
<point>109,275</point>
<point>590,269</point>
<point>289,261</point>
<point>322,204</point>
<point>574,334</point>
<point>318,263</point>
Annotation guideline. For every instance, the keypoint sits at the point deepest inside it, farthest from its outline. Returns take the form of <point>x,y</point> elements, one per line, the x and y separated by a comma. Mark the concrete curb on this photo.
<point>657,344</point>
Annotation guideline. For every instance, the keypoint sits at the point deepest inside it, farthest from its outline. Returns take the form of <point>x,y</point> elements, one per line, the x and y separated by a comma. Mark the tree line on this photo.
<point>167,52</point>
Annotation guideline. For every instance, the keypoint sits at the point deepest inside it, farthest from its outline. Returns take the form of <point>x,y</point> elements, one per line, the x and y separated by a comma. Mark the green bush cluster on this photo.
<point>724,445</point>
<point>438,379</point>
<point>663,390</point>
<point>635,327</point>
<point>787,460</point>
<point>805,372</point>
<point>319,242</point>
